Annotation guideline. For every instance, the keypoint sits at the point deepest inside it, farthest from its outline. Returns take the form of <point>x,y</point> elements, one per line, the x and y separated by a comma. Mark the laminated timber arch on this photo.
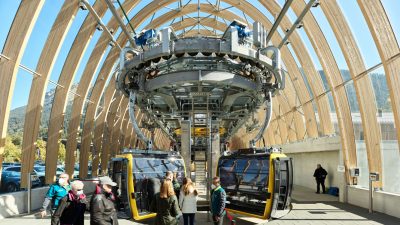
<point>288,114</point>
<point>363,86</point>
<point>14,49</point>
<point>100,125</point>
<point>83,86</point>
<point>44,67</point>
<point>388,48</point>
<point>67,75</point>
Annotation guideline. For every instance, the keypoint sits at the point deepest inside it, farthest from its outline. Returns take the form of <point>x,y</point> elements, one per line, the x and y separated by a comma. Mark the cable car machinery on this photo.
<point>228,78</point>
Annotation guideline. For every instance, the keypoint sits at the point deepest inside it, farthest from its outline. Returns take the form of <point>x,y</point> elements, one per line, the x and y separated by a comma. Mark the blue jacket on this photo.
<point>55,194</point>
<point>218,201</point>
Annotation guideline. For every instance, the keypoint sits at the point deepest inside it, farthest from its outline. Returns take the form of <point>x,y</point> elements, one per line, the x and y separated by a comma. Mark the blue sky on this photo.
<point>8,8</point>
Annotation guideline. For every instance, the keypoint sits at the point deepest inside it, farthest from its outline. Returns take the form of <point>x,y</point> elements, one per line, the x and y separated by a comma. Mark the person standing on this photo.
<point>172,177</point>
<point>218,202</point>
<point>320,175</point>
<point>102,208</point>
<point>166,205</point>
<point>56,192</point>
<point>71,209</point>
<point>188,201</point>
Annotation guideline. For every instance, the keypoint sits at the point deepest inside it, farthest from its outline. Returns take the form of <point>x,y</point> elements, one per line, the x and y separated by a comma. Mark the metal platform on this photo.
<point>309,208</point>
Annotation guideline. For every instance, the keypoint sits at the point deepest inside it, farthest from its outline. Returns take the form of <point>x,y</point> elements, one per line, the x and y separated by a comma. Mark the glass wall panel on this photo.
<point>389,144</point>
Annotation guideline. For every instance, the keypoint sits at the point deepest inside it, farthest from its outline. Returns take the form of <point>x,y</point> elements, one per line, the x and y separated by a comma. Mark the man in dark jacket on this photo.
<point>218,201</point>
<point>102,208</point>
<point>320,175</point>
<point>71,209</point>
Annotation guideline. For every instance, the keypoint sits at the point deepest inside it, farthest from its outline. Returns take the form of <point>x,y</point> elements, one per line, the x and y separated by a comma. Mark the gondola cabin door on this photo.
<point>119,173</point>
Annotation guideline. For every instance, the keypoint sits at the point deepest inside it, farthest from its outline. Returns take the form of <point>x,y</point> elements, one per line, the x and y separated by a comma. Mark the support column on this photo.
<point>215,148</point>
<point>185,144</point>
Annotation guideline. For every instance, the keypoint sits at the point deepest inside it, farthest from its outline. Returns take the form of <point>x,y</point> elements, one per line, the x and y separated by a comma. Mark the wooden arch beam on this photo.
<point>107,129</point>
<point>84,83</point>
<point>100,125</point>
<point>388,48</point>
<point>67,75</point>
<point>110,96</point>
<point>363,86</point>
<point>190,22</point>
<point>14,49</point>
<point>44,67</point>
<point>364,93</point>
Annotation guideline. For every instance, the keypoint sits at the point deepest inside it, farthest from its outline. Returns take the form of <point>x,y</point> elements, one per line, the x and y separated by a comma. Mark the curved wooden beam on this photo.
<point>44,67</point>
<point>339,94</point>
<point>14,49</point>
<point>190,22</point>
<point>83,86</point>
<point>66,77</point>
<point>116,129</point>
<point>363,86</point>
<point>108,128</point>
<point>100,125</point>
<point>387,45</point>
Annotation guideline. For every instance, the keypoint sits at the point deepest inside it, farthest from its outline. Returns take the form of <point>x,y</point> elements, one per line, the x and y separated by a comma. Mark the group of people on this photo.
<point>69,203</point>
<point>169,207</point>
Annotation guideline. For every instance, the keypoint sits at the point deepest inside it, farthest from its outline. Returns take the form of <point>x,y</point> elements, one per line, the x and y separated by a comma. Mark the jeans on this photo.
<point>188,218</point>
<point>220,222</point>
<point>322,183</point>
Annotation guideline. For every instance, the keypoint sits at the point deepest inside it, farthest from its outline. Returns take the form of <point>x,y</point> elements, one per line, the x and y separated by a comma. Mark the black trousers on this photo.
<point>322,183</point>
<point>188,218</point>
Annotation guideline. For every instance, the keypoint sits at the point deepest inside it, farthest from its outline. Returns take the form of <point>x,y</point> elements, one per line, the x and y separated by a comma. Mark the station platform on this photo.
<point>308,208</point>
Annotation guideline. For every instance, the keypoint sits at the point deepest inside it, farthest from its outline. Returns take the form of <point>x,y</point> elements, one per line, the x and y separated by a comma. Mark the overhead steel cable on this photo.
<point>126,16</point>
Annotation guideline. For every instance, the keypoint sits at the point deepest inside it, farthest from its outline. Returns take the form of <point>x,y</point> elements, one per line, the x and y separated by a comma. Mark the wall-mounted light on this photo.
<point>82,6</point>
<point>99,27</point>
<point>316,3</point>
<point>300,25</point>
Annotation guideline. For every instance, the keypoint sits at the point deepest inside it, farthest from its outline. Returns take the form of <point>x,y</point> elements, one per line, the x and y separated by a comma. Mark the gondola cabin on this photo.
<point>138,175</point>
<point>258,182</point>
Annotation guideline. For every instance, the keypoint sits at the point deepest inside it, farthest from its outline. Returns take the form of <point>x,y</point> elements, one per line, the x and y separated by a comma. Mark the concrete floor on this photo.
<point>308,208</point>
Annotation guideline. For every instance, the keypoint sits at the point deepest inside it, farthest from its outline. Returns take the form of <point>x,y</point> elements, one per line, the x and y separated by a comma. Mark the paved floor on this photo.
<point>308,208</point>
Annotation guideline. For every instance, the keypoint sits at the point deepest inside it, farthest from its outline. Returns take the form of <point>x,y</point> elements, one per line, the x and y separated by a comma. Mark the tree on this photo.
<point>12,153</point>
<point>17,139</point>
<point>41,148</point>
<point>61,152</point>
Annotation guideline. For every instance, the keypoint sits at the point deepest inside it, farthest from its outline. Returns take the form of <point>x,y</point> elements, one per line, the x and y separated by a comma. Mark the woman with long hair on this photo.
<point>188,201</point>
<point>165,204</point>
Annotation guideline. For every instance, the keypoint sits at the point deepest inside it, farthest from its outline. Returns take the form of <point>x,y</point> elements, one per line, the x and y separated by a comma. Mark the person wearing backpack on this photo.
<point>320,175</point>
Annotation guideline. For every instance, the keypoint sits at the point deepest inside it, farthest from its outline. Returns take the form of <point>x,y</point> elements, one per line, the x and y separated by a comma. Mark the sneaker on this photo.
<point>317,192</point>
